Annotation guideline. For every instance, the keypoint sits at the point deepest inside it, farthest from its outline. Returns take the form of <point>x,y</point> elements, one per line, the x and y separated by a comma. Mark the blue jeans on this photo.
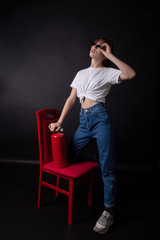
<point>95,123</point>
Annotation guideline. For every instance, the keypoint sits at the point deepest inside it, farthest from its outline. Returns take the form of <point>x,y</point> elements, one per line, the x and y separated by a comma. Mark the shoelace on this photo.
<point>103,218</point>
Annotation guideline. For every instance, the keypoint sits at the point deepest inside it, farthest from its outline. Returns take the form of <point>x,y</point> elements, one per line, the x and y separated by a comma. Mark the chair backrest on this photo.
<point>44,118</point>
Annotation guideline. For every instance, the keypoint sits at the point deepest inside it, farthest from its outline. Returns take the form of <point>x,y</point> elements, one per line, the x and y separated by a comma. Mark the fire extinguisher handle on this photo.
<point>61,130</point>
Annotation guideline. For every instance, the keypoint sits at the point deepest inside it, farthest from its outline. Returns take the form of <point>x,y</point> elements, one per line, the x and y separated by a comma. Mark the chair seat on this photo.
<point>73,170</point>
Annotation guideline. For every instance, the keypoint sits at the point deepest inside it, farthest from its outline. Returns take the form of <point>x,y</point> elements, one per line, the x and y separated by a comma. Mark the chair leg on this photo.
<point>90,191</point>
<point>57,185</point>
<point>40,188</point>
<point>70,201</point>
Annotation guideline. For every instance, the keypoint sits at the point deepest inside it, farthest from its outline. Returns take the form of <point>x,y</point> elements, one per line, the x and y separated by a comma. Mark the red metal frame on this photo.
<point>52,115</point>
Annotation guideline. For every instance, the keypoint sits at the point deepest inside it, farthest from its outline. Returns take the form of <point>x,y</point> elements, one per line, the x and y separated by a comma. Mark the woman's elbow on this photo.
<point>127,76</point>
<point>132,74</point>
<point>71,100</point>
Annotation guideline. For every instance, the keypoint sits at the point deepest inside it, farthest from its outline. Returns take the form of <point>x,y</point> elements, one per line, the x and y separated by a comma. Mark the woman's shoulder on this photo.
<point>82,72</point>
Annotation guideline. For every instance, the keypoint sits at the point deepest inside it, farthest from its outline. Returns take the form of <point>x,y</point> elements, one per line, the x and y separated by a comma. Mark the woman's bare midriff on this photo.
<point>86,103</point>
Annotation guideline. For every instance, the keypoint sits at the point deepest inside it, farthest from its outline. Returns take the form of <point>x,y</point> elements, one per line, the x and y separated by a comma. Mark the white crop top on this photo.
<point>95,83</point>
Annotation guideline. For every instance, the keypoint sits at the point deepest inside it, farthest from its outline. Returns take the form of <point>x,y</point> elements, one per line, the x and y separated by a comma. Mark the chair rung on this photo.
<point>55,188</point>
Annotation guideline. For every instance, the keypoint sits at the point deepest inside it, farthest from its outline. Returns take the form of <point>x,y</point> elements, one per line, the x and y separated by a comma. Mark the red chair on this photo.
<point>71,172</point>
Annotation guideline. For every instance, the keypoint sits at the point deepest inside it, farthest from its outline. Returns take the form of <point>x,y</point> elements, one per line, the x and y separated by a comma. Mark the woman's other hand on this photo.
<point>54,127</point>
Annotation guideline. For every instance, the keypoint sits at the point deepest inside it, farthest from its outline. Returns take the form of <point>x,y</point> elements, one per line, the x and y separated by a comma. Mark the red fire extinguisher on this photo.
<point>59,150</point>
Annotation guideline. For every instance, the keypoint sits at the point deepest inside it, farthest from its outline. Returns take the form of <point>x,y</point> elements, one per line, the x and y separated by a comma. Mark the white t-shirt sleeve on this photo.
<point>113,75</point>
<point>75,81</point>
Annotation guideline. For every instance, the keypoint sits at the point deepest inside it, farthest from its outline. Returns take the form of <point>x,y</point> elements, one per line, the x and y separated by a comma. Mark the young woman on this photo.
<point>92,85</point>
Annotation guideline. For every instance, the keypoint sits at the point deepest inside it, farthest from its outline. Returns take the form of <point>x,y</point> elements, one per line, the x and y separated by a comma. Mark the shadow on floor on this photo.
<point>136,215</point>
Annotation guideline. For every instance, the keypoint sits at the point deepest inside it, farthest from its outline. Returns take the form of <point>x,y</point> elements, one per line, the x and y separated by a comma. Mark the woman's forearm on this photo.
<point>54,127</point>
<point>125,68</point>
<point>66,109</point>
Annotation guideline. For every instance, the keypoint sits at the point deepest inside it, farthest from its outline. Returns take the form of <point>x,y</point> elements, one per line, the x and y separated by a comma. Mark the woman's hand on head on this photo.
<point>54,127</point>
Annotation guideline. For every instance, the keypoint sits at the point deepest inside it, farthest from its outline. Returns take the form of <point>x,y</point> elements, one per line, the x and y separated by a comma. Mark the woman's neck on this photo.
<point>96,64</point>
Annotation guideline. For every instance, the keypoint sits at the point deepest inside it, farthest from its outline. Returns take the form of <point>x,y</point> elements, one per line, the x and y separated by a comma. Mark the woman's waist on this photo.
<point>92,108</point>
<point>87,103</point>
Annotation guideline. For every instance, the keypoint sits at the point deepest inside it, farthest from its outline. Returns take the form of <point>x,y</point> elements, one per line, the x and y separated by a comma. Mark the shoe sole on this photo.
<point>102,231</point>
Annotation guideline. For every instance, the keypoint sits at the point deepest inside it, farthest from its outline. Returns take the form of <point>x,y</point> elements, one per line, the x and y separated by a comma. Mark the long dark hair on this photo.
<point>106,62</point>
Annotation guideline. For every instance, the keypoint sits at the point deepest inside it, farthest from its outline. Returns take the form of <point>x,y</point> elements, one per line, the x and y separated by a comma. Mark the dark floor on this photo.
<point>136,216</point>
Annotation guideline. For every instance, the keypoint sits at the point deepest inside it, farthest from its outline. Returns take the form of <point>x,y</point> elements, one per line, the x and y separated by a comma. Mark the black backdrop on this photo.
<point>43,45</point>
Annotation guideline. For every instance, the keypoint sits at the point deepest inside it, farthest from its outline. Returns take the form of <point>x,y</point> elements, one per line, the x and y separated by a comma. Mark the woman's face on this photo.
<point>95,52</point>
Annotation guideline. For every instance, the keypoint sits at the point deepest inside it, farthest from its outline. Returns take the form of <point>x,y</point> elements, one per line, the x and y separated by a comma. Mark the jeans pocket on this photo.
<point>99,112</point>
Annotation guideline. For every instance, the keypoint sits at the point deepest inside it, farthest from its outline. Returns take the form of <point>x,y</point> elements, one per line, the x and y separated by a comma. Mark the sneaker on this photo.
<point>103,223</point>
